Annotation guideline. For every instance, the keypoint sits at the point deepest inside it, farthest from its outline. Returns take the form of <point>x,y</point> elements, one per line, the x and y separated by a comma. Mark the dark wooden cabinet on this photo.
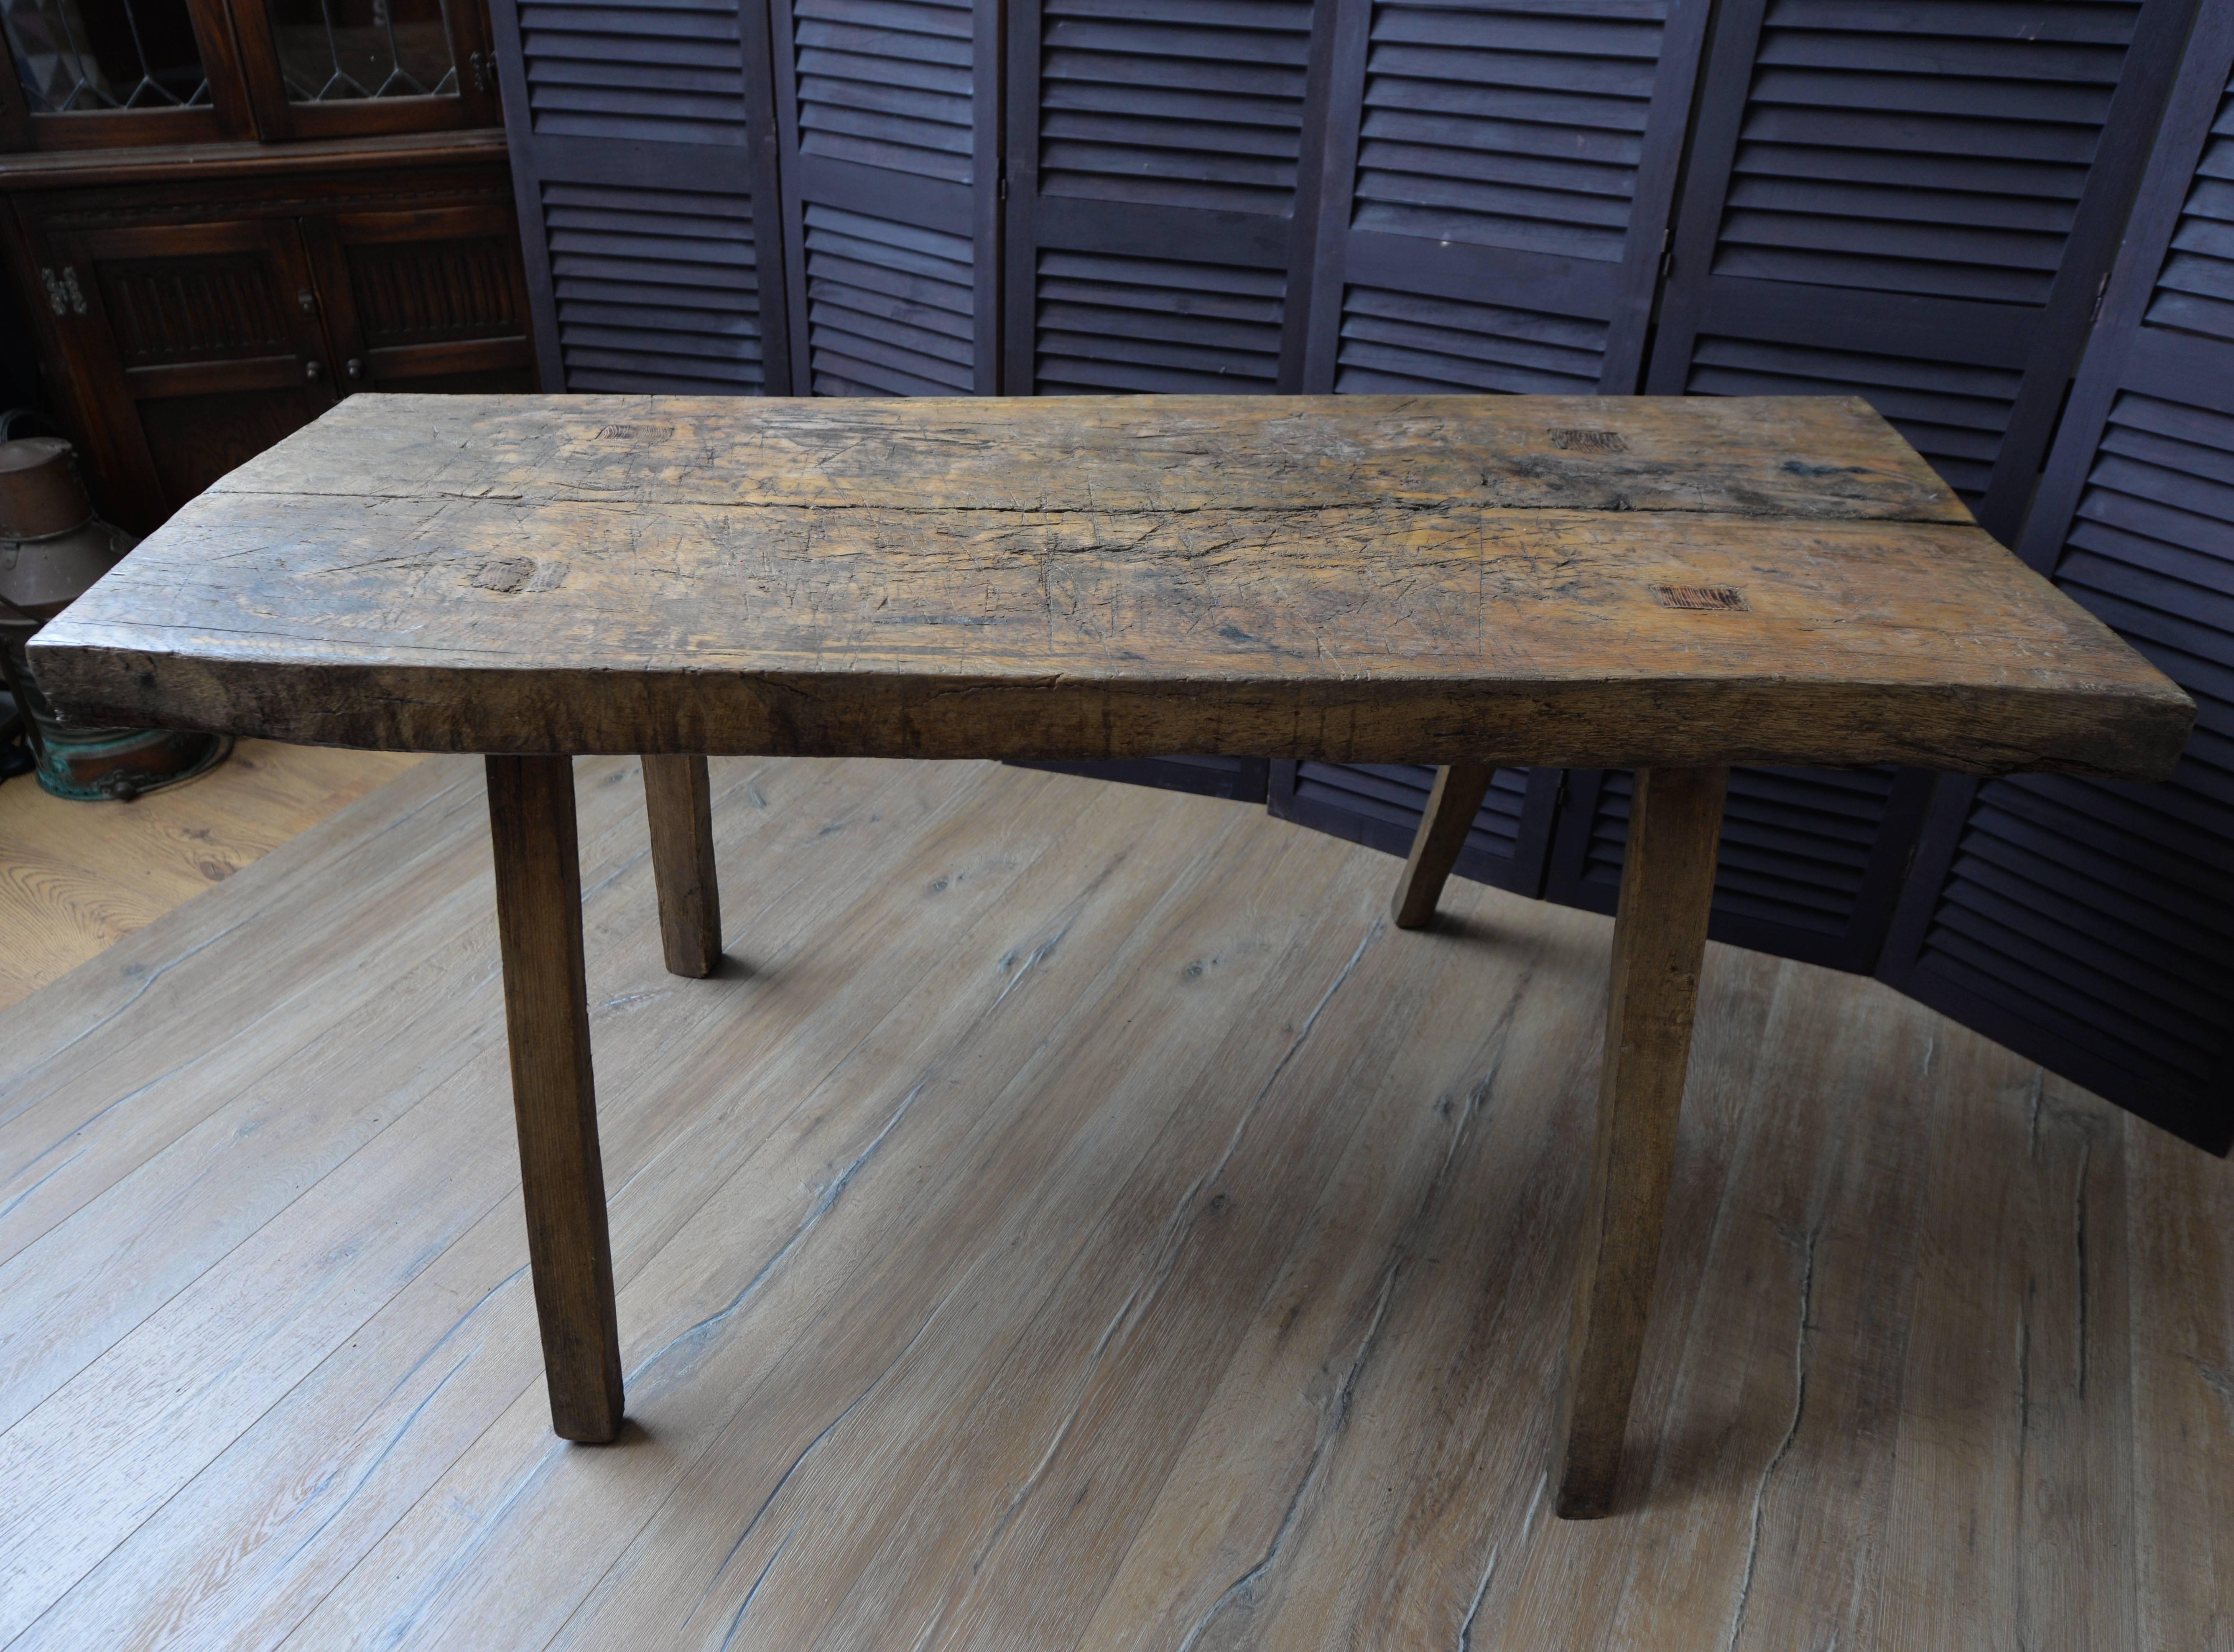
<point>423,297</point>
<point>324,210</point>
<point>201,339</point>
<point>140,74</point>
<point>190,321</point>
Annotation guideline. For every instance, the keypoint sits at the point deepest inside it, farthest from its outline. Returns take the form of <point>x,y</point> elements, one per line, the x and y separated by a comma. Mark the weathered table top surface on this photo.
<point>1363,578</point>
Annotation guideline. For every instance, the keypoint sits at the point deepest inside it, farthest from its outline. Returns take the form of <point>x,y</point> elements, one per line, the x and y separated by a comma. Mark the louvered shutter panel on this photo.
<point>1160,194</point>
<point>2087,925</point>
<point>891,170</point>
<point>1499,178</point>
<point>642,134</point>
<point>1159,224</point>
<point>1379,805</point>
<point>1810,863</point>
<point>1915,205</point>
<point>1498,189</point>
<point>1113,322</point>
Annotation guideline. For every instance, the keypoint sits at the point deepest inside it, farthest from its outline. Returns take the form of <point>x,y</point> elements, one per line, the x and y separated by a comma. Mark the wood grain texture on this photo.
<point>1349,578</point>
<point>1659,943</point>
<point>76,877</point>
<point>1093,1226</point>
<point>539,904</point>
<point>678,810</point>
<point>1453,801</point>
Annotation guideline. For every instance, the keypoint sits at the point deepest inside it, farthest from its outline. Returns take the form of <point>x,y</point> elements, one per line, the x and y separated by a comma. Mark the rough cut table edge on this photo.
<point>2123,732</point>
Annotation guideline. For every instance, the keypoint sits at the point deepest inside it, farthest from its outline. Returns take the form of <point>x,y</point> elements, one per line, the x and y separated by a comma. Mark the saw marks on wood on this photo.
<point>1071,1215</point>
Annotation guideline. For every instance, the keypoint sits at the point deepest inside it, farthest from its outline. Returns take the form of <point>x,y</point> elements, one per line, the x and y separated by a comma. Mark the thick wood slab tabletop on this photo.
<point>1361,579</point>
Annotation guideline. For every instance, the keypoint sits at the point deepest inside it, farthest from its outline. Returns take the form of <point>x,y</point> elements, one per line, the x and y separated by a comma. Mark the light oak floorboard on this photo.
<point>1070,1215</point>
<point>76,877</point>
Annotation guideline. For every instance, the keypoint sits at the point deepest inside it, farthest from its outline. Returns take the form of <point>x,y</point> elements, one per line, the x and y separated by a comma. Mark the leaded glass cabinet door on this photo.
<point>87,74</point>
<point>134,74</point>
<point>330,68</point>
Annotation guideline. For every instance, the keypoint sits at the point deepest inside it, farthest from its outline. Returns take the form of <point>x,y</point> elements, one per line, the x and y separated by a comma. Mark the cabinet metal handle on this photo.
<point>354,368</point>
<point>314,370</point>
<point>63,293</point>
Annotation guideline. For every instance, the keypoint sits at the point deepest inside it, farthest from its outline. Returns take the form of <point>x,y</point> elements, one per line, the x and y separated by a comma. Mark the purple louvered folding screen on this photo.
<point>643,158</point>
<point>2091,925</point>
<point>1917,205</point>
<point>890,175</point>
<point>1922,205</point>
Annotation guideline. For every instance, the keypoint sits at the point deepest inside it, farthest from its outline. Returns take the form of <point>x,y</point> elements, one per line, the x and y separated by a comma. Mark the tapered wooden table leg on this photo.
<point>538,910</point>
<point>678,800</point>
<point>1659,940</point>
<point>1451,806</point>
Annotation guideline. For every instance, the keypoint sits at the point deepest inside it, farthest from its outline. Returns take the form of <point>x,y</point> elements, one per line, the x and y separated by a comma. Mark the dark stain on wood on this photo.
<point>1589,442</point>
<point>505,574</point>
<point>1722,597</point>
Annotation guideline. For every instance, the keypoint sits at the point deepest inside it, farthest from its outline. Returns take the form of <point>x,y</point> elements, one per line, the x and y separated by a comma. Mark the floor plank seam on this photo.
<point>798,1462</point>
<point>1181,1224</point>
<point>834,1190</point>
<point>1037,955</point>
<point>220,1101</point>
<point>232,1037</point>
<point>497,1413</point>
<point>139,992</point>
<point>280,1396</point>
<point>1241,1593</point>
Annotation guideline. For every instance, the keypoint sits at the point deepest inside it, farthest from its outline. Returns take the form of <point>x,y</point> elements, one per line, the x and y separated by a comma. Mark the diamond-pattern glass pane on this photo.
<point>81,56</point>
<point>335,50</point>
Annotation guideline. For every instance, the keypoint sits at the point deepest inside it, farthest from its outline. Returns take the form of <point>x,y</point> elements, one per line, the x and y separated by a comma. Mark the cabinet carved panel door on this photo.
<point>224,214</point>
<point>210,334</point>
<point>194,346</point>
<point>428,299</point>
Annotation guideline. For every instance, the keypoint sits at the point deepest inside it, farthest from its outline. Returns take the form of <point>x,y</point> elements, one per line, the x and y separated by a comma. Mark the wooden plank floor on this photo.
<point>1072,1217</point>
<point>76,877</point>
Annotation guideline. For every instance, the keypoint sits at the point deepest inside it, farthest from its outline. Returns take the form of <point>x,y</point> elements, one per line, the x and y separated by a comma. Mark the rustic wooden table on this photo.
<point>1670,585</point>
